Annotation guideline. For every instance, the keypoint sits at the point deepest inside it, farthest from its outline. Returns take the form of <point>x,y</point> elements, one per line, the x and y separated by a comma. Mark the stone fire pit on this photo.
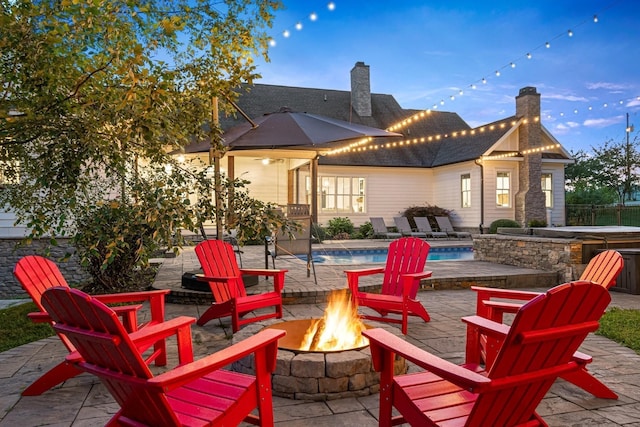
<point>317,376</point>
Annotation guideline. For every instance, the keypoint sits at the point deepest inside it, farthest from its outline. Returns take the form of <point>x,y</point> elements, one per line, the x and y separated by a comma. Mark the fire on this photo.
<point>339,329</point>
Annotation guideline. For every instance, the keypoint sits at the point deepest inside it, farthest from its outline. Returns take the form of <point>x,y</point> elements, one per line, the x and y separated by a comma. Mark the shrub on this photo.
<point>537,223</point>
<point>507,223</point>
<point>339,227</point>
<point>427,211</point>
<point>365,231</point>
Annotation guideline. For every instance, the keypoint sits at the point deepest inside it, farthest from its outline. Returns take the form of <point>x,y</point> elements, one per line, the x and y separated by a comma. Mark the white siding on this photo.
<point>492,211</point>
<point>448,195</point>
<point>389,191</point>
<point>558,216</point>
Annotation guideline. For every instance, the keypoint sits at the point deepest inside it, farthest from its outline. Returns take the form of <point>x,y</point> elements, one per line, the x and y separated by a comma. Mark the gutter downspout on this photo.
<point>479,163</point>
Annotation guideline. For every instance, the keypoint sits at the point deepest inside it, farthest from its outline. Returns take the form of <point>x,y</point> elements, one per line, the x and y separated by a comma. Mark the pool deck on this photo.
<point>83,401</point>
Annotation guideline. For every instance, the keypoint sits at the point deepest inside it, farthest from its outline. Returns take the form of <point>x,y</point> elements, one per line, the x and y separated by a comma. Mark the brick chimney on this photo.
<point>529,201</point>
<point>361,89</point>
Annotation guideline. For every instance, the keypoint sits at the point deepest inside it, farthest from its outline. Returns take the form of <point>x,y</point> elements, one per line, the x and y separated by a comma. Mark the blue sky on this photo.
<point>424,52</point>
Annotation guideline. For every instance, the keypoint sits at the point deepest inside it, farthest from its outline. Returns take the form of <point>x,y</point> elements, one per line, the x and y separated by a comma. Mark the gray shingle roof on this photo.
<point>260,99</point>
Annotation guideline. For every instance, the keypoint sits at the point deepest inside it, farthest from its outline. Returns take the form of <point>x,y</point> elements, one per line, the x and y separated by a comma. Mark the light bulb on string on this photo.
<point>473,86</point>
<point>286,33</point>
<point>298,26</point>
<point>497,73</point>
<point>547,45</point>
<point>528,56</point>
<point>331,6</point>
<point>595,18</point>
<point>313,16</point>
<point>272,42</point>
<point>484,81</point>
<point>570,33</point>
<point>513,65</point>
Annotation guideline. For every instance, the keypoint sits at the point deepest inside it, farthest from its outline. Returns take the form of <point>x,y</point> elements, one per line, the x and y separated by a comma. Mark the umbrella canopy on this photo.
<point>289,129</point>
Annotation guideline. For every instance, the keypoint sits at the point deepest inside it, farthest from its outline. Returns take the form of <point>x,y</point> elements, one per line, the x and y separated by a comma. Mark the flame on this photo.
<point>339,329</point>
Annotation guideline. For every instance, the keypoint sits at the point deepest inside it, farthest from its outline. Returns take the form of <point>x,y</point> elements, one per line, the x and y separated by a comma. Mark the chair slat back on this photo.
<point>218,259</point>
<point>378,225</point>
<point>422,224</point>
<point>108,353</point>
<point>406,255</point>
<point>543,337</point>
<point>604,268</point>
<point>36,274</point>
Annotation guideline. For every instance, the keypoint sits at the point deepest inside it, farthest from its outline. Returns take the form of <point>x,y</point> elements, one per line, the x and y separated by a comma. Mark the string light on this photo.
<point>512,64</point>
<point>313,16</point>
<point>365,144</point>
<point>520,153</point>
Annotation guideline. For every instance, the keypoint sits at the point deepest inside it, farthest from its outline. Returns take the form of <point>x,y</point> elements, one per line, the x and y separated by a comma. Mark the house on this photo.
<point>512,168</point>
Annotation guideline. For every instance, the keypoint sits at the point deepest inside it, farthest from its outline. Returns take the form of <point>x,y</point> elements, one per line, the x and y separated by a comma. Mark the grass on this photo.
<point>621,326</point>
<point>17,329</point>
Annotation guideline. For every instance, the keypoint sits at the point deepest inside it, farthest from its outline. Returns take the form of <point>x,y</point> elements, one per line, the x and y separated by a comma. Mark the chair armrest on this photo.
<point>132,296</point>
<point>486,326</point>
<point>179,326</point>
<point>485,294</point>
<point>264,342</point>
<point>154,297</point>
<point>262,271</point>
<point>353,277</point>
<point>418,276</point>
<point>364,271</point>
<point>278,276</point>
<point>384,346</point>
<point>39,317</point>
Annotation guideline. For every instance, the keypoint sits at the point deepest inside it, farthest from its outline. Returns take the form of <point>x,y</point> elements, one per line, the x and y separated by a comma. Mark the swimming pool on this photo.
<point>379,256</point>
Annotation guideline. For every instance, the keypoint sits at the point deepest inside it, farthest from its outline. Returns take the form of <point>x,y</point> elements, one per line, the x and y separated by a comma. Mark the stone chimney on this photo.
<point>529,201</point>
<point>361,89</point>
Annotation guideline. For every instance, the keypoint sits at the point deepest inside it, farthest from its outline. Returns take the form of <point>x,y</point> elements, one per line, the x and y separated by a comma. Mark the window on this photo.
<point>341,194</point>
<point>465,189</point>
<point>503,189</point>
<point>547,189</point>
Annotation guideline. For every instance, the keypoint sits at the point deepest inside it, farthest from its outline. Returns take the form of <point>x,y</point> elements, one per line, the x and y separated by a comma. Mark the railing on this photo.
<point>602,215</point>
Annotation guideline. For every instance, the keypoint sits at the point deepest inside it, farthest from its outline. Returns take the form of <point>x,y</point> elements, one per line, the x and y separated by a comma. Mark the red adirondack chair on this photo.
<point>402,274</point>
<point>603,269</point>
<point>221,271</point>
<point>36,274</point>
<point>535,350</point>
<point>194,394</point>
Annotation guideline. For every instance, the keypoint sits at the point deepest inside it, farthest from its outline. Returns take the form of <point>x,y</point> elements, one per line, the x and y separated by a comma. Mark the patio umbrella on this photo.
<point>301,132</point>
<point>300,135</point>
<point>306,131</point>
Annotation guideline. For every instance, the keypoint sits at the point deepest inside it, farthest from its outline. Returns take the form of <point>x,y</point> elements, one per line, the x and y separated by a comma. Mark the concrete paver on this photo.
<point>83,401</point>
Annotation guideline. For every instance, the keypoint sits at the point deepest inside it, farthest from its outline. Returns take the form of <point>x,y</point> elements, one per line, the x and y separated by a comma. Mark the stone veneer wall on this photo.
<point>563,256</point>
<point>10,254</point>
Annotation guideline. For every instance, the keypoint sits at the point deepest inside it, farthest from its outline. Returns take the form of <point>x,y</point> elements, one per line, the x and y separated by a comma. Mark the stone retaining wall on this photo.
<point>563,256</point>
<point>10,254</point>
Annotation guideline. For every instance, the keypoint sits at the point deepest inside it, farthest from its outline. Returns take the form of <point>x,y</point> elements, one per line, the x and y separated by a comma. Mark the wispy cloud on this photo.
<point>572,98</point>
<point>634,103</point>
<point>607,86</point>
<point>602,123</point>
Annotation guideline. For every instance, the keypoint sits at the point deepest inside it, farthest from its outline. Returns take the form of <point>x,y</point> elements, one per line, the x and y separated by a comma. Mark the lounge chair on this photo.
<point>380,229</point>
<point>445,225</point>
<point>422,223</point>
<point>403,226</point>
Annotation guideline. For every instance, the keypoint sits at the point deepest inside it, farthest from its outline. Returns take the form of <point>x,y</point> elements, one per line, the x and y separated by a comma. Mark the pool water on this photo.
<point>379,256</point>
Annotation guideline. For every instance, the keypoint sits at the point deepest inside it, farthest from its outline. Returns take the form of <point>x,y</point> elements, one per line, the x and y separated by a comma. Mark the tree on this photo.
<point>95,92</point>
<point>610,170</point>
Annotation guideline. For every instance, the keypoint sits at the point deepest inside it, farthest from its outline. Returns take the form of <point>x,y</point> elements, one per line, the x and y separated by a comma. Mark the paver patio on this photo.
<point>83,401</point>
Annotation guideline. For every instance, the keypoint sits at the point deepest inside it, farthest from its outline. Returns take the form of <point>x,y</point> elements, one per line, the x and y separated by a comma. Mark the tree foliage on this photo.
<point>606,175</point>
<point>94,96</point>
